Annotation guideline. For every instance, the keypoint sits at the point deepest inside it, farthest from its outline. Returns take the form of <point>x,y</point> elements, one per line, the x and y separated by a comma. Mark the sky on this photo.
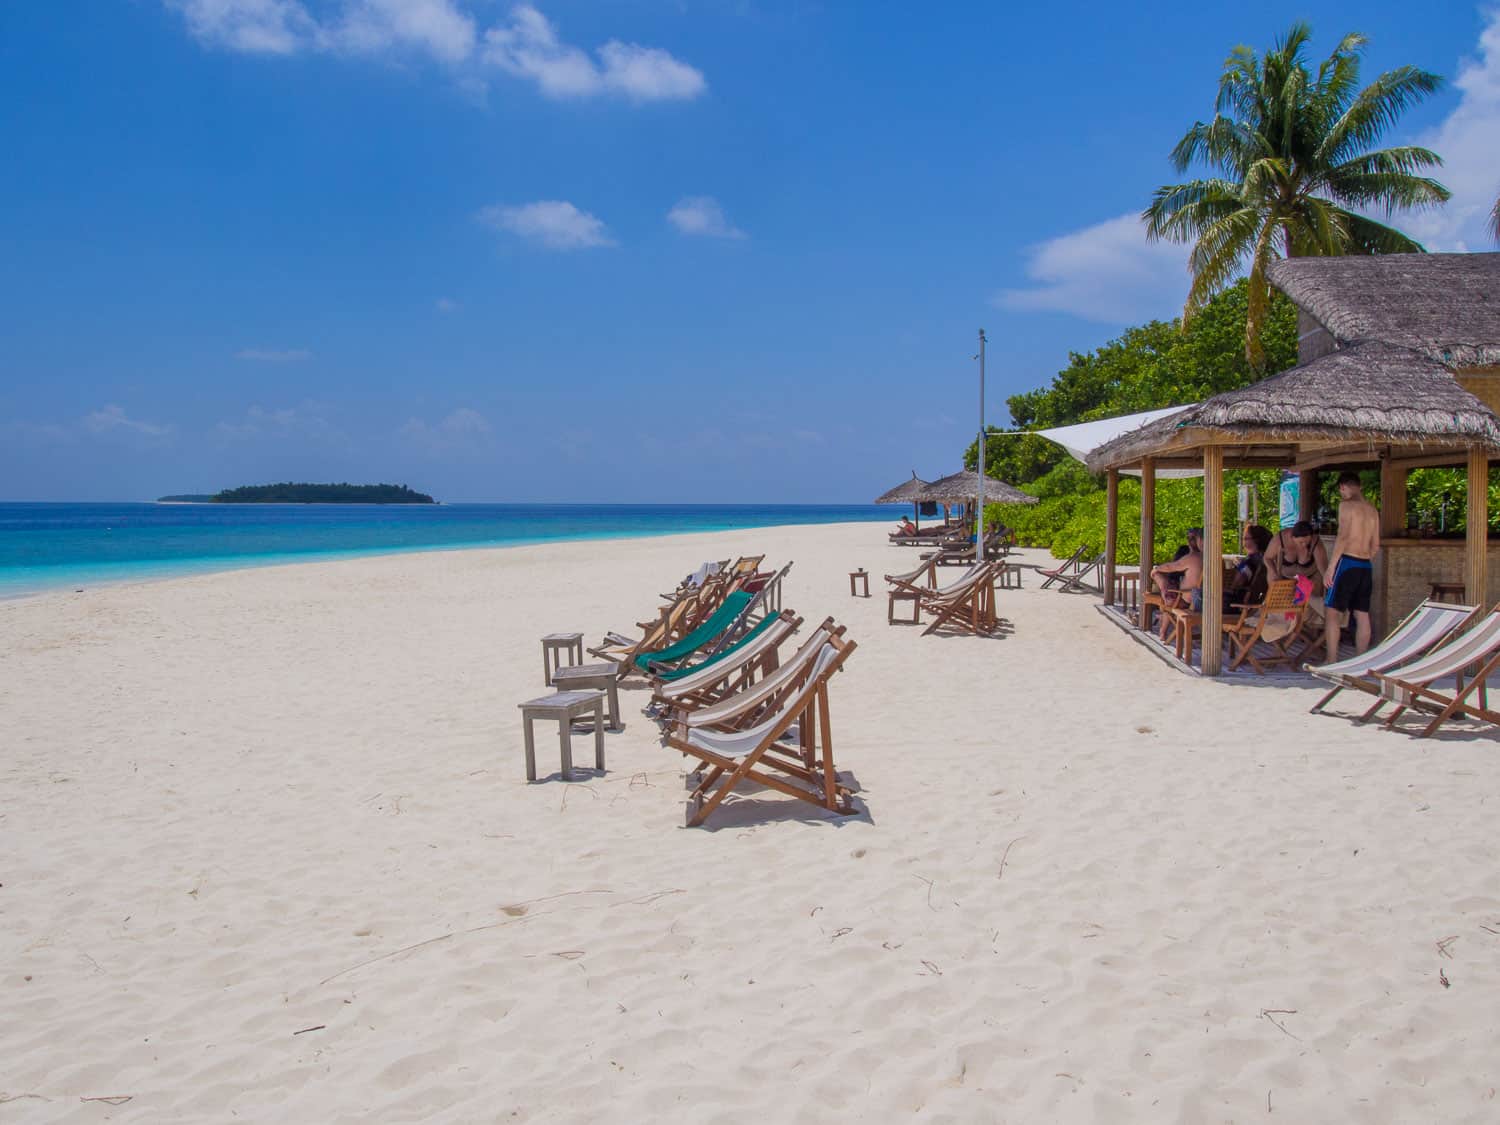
<point>620,251</point>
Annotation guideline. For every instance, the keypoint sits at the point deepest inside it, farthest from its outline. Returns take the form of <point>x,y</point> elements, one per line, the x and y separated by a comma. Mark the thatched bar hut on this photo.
<point>1399,369</point>
<point>963,488</point>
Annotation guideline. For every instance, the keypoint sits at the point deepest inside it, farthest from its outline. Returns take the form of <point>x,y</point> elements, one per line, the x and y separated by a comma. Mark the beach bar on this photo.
<point>1398,369</point>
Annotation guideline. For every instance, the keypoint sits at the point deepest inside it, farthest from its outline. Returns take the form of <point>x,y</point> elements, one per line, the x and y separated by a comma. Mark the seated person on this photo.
<point>906,527</point>
<point>1248,587</point>
<point>1180,582</point>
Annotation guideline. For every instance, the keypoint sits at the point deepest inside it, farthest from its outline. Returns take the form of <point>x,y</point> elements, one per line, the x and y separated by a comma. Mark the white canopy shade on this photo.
<point>1085,437</point>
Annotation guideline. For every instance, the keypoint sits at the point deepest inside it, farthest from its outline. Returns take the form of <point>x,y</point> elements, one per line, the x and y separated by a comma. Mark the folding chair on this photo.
<point>1423,629</point>
<point>967,605</point>
<point>750,736</point>
<point>1061,573</point>
<point>1279,609</point>
<point>1468,660</point>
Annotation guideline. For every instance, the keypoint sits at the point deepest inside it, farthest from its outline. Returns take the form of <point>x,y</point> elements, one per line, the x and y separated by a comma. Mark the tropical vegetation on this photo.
<point>1291,149</point>
<point>289,493</point>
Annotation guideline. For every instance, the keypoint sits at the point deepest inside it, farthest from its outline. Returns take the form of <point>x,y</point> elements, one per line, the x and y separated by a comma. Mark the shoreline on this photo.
<point>317,558</point>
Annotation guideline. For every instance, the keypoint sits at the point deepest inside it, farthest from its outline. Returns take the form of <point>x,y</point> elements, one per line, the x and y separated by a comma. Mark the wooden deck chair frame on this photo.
<point>1374,660</point>
<point>1243,635</point>
<point>1398,686</point>
<point>1059,573</point>
<point>1078,580</point>
<point>968,605</point>
<point>768,764</point>
<point>736,672</point>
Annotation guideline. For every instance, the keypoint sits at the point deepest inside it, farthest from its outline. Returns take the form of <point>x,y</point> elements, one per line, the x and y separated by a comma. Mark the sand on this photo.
<point>268,853</point>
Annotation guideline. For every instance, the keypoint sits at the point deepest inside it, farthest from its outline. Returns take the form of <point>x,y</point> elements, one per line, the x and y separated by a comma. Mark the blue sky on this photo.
<point>629,250</point>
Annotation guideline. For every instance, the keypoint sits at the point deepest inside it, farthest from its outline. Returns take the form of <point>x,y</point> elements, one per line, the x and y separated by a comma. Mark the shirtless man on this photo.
<point>1350,576</point>
<point>1190,589</point>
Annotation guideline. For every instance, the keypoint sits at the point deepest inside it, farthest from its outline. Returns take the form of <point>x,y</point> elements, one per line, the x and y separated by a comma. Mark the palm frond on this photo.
<point>1179,211</point>
<point>1366,236</point>
<point>1375,110</point>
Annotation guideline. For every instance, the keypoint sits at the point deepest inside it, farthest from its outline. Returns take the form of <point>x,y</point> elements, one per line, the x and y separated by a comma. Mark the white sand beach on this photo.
<point>269,854</point>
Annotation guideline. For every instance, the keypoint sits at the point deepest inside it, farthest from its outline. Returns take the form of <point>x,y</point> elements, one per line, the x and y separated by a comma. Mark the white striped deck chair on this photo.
<point>1425,627</point>
<point>1468,660</point>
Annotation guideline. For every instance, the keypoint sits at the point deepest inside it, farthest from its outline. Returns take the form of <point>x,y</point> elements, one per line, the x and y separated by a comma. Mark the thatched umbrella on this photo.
<point>907,492</point>
<point>963,488</point>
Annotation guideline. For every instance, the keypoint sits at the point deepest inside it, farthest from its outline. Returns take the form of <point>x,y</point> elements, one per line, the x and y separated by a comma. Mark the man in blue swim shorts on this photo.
<point>1350,577</point>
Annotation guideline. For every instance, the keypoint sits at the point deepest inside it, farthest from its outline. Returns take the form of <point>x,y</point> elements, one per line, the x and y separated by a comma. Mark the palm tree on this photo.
<point>1292,150</point>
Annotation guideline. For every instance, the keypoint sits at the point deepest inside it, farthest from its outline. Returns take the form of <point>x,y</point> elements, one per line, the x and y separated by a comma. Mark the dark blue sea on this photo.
<point>46,546</point>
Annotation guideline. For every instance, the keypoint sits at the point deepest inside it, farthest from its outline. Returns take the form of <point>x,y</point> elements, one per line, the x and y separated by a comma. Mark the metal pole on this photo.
<point>979,530</point>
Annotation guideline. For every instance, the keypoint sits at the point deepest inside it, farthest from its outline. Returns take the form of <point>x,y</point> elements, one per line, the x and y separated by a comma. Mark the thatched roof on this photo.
<point>1370,392</point>
<point>908,492</point>
<point>1443,306</point>
<point>961,487</point>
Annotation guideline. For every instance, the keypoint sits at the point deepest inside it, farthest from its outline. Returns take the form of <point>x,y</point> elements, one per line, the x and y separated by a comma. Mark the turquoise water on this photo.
<point>51,546</point>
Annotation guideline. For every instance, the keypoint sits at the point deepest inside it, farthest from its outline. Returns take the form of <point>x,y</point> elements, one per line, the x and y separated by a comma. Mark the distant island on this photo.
<point>289,493</point>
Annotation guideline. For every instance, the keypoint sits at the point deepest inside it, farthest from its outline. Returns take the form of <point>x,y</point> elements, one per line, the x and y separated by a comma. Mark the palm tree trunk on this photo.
<point>1258,299</point>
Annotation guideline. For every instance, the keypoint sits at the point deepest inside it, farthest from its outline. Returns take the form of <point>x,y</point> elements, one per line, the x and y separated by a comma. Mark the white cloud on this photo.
<point>553,223</point>
<point>1107,273</point>
<point>702,215</point>
<point>463,431</point>
<point>271,27</point>
<point>1468,140</point>
<point>529,47</point>
<point>113,419</point>
<point>272,355</point>
<point>526,46</point>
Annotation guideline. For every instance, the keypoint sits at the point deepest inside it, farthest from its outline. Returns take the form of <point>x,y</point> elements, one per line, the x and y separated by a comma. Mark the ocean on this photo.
<point>51,546</point>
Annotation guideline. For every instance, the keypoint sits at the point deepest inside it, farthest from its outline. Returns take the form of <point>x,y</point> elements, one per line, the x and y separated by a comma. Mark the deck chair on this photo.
<point>1275,621</point>
<point>710,629</point>
<point>1468,659</point>
<point>967,605</point>
<point>910,587</point>
<point>1423,629</point>
<point>1060,573</point>
<point>735,670</point>
<point>750,736</point>
<point>622,650</point>
<point>710,659</point>
<point>1087,576</point>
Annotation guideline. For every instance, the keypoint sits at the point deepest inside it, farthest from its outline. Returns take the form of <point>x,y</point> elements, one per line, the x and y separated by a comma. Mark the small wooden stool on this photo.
<point>861,576</point>
<point>904,596</point>
<point>1127,589</point>
<point>1009,577</point>
<point>556,646</point>
<point>564,706</point>
<point>600,677</point>
<point>1447,591</point>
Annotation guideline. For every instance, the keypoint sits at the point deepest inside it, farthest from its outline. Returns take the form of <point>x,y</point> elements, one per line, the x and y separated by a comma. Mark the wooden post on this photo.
<point>1111,531</point>
<point>1392,498</point>
<point>1148,534</point>
<point>1477,541</point>
<point>1213,559</point>
<point>1307,490</point>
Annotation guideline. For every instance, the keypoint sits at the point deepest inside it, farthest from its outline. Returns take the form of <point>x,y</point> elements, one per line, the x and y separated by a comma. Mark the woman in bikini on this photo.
<point>1299,553</point>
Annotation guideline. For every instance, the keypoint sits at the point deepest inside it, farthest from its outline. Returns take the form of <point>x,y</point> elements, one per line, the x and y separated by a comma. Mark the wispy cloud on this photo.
<point>259,422</point>
<point>1107,272</point>
<point>464,431</point>
<point>446,305</point>
<point>525,46</point>
<point>529,47</point>
<point>113,419</point>
<point>1468,140</point>
<point>702,215</point>
<point>272,355</point>
<point>553,223</point>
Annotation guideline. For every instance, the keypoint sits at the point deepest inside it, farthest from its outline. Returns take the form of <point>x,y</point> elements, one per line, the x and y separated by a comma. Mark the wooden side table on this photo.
<point>862,577</point>
<point>1127,589</point>
<point>556,646</point>
<point>1447,591</point>
<point>904,596</point>
<point>600,677</point>
<point>564,706</point>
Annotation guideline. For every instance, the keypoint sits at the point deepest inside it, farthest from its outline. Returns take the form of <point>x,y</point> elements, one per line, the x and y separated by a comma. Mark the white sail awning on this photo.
<point>1082,439</point>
